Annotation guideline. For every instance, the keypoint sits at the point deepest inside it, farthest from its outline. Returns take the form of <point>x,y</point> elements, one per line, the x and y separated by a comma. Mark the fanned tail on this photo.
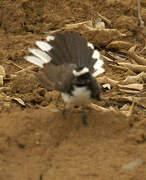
<point>67,48</point>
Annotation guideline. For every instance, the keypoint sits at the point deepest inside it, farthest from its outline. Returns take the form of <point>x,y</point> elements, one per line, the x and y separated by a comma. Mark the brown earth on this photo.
<point>36,141</point>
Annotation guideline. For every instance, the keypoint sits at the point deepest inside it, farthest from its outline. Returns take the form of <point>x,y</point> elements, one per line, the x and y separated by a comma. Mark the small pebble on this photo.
<point>132,165</point>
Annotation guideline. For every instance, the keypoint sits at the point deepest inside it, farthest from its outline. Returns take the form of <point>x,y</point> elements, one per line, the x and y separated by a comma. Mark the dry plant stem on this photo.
<point>138,59</point>
<point>98,108</point>
<point>2,71</point>
<point>1,80</point>
<point>119,67</point>
<point>139,14</point>
<point>134,79</point>
<point>129,113</point>
<point>134,67</point>
<point>18,100</point>
<point>70,26</point>
<point>29,68</point>
<point>144,76</point>
<point>111,55</point>
<point>133,48</point>
<point>119,45</point>
<point>105,19</point>
<point>131,109</point>
<point>116,57</point>
<point>107,59</point>
<point>105,80</point>
<point>134,86</point>
<point>112,82</point>
<point>130,72</point>
<point>129,91</point>
<point>133,55</point>
<point>14,64</point>
<point>125,99</point>
<point>143,49</point>
<point>4,89</point>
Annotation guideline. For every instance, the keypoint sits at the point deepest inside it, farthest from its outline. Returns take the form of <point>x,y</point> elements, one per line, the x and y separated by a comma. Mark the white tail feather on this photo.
<point>34,60</point>
<point>50,38</point>
<point>90,45</point>
<point>98,72</point>
<point>98,64</point>
<point>42,55</point>
<point>44,46</point>
<point>96,54</point>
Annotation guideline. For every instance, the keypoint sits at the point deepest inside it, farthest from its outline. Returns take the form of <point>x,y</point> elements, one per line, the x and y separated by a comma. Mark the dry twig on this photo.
<point>135,79</point>
<point>139,14</point>
<point>124,99</point>
<point>119,67</point>
<point>129,113</point>
<point>98,108</point>
<point>14,64</point>
<point>129,91</point>
<point>133,55</point>
<point>135,86</point>
<point>105,19</point>
<point>134,67</point>
<point>143,49</point>
<point>107,59</point>
<point>29,68</point>
<point>105,79</point>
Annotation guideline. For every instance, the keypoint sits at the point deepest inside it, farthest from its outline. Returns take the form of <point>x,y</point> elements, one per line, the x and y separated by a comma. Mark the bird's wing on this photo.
<point>56,77</point>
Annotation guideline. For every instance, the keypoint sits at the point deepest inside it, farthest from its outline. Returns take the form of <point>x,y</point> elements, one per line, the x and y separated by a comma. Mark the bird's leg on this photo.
<point>64,110</point>
<point>84,116</point>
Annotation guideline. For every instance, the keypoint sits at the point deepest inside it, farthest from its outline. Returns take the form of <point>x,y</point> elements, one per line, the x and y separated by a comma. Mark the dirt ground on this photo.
<point>36,141</point>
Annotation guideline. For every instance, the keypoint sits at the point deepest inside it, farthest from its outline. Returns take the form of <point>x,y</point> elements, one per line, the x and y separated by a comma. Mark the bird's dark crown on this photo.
<point>79,68</point>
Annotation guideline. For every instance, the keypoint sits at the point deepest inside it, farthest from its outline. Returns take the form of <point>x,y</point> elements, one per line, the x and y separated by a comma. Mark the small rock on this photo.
<point>132,165</point>
<point>99,25</point>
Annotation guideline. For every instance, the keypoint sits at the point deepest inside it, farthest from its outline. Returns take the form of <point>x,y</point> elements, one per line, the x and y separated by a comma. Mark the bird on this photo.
<point>69,64</point>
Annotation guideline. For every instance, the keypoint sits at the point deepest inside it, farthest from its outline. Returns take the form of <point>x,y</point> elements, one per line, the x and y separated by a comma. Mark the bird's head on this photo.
<point>81,76</point>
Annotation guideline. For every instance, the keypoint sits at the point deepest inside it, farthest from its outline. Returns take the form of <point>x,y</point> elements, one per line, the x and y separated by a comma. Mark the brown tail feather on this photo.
<point>70,47</point>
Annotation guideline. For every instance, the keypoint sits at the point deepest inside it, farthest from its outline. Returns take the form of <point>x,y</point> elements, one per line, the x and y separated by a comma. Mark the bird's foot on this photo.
<point>84,118</point>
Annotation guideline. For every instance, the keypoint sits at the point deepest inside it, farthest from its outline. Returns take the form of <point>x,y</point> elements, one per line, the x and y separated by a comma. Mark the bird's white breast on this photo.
<point>80,96</point>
